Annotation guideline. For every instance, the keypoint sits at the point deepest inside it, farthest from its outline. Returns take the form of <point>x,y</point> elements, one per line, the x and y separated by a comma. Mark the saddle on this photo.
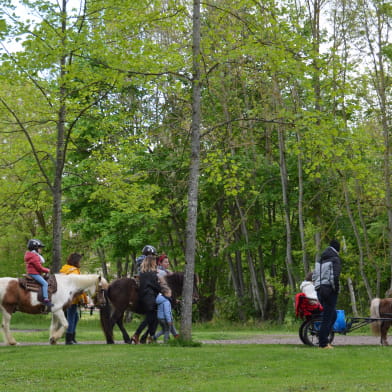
<point>30,284</point>
<point>137,280</point>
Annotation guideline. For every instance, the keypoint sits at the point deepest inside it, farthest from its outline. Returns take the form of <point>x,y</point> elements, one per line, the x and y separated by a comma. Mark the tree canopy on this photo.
<point>98,115</point>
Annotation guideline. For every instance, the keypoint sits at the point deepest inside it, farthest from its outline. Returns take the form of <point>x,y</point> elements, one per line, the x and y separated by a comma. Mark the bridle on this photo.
<point>99,298</point>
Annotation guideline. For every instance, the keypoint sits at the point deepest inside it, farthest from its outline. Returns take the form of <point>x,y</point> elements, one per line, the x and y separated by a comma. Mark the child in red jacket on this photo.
<point>34,267</point>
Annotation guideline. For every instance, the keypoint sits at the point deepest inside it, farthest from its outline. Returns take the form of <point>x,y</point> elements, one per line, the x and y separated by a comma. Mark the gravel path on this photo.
<point>340,340</point>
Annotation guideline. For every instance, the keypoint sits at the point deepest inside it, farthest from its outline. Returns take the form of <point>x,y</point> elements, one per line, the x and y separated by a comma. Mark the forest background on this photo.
<point>95,149</point>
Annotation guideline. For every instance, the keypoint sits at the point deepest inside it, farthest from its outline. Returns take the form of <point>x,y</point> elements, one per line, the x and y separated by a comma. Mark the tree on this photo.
<point>191,224</point>
<point>64,85</point>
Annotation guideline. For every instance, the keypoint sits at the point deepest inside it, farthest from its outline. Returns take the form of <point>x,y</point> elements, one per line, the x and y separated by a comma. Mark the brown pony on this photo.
<point>122,294</point>
<point>381,308</point>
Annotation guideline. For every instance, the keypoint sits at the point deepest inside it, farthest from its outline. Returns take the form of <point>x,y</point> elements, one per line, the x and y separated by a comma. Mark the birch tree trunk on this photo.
<point>252,271</point>
<point>301,224</point>
<point>366,242</point>
<point>359,241</point>
<point>191,224</point>
<point>352,297</point>
<point>285,195</point>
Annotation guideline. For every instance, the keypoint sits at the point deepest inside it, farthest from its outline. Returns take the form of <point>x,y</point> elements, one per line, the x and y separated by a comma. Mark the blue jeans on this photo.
<point>72,318</point>
<point>165,330</point>
<point>43,283</point>
<point>328,299</point>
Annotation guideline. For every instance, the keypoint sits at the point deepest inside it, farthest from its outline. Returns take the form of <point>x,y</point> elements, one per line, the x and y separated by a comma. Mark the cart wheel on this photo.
<point>301,331</point>
<point>309,332</point>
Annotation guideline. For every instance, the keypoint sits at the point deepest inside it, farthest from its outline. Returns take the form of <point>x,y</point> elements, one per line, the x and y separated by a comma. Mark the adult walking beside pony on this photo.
<point>148,250</point>
<point>73,267</point>
<point>149,288</point>
<point>326,281</point>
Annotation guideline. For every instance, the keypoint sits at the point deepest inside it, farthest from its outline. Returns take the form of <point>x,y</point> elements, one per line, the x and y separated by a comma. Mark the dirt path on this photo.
<point>340,340</point>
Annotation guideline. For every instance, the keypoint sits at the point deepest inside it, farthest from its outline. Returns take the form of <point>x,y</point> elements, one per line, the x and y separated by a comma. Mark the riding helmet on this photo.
<point>34,244</point>
<point>149,250</point>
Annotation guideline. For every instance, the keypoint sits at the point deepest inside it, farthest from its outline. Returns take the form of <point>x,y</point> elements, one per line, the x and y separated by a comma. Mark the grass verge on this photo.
<point>215,368</point>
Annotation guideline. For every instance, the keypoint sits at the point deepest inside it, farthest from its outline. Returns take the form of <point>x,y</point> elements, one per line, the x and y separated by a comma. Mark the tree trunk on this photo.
<point>237,288</point>
<point>378,40</point>
<point>284,181</point>
<point>102,258</point>
<point>252,271</point>
<point>119,267</point>
<point>359,242</point>
<point>191,224</point>
<point>366,241</point>
<point>262,277</point>
<point>60,154</point>
<point>352,297</point>
<point>301,225</point>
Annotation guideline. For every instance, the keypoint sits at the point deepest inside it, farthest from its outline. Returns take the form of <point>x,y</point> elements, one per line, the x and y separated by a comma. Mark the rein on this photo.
<point>99,297</point>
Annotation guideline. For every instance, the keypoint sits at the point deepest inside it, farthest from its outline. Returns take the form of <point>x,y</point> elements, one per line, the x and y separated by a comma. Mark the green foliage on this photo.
<point>125,84</point>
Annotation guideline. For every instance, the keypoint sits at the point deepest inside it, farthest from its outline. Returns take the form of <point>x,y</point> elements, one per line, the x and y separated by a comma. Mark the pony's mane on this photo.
<point>175,281</point>
<point>82,279</point>
<point>175,278</point>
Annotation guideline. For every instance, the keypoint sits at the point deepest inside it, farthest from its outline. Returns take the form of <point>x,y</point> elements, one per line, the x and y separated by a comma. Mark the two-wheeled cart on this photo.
<point>311,312</point>
<point>309,329</point>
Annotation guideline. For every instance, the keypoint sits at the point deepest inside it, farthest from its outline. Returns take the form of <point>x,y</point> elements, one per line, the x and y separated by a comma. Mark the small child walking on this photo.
<point>165,317</point>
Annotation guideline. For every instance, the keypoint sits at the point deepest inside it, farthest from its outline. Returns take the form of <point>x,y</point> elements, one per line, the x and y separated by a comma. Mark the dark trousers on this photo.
<point>152,322</point>
<point>141,327</point>
<point>328,299</point>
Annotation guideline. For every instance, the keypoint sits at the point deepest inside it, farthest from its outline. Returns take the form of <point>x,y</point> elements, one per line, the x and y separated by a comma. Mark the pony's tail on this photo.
<point>105,318</point>
<point>375,313</point>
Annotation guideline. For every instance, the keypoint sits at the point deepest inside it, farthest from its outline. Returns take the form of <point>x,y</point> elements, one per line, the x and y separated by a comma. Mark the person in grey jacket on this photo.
<point>326,281</point>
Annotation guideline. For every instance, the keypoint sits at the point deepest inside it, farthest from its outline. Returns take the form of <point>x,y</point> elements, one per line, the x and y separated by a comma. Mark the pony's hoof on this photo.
<point>52,341</point>
<point>135,339</point>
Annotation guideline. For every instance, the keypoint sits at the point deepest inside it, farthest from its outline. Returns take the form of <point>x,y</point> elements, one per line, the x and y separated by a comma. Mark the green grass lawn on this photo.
<point>35,328</point>
<point>215,368</point>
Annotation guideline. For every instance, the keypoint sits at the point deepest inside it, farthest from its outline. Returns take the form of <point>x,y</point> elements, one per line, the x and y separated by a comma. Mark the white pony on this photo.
<point>14,298</point>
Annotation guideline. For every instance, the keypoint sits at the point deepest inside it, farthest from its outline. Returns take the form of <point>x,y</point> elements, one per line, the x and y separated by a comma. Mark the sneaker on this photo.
<point>328,347</point>
<point>47,303</point>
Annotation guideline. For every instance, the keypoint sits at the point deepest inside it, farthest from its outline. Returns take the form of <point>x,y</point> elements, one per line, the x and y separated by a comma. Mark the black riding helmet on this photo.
<point>149,250</point>
<point>34,244</point>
